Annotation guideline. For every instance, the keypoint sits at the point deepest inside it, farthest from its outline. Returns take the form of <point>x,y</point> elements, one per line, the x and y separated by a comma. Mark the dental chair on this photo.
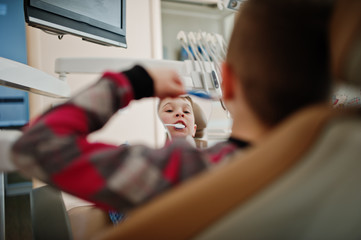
<point>201,121</point>
<point>49,219</point>
<point>302,182</point>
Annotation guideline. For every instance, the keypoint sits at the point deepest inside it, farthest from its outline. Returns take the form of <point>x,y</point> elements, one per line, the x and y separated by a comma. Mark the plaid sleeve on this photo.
<point>55,149</point>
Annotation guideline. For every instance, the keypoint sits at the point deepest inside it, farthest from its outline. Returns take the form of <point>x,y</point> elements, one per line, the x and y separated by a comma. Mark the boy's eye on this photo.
<point>169,111</point>
<point>187,112</point>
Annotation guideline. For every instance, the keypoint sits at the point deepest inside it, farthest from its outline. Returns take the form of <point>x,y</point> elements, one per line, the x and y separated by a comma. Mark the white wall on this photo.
<point>143,29</point>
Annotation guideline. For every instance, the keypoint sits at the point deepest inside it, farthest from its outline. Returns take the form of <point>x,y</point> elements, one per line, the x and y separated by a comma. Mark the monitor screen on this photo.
<point>99,21</point>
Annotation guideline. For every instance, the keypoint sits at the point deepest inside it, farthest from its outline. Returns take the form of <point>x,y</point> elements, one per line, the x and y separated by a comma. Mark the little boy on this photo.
<point>178,111</point>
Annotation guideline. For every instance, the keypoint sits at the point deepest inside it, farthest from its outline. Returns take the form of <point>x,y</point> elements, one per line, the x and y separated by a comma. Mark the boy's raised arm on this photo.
<point>55,149</point>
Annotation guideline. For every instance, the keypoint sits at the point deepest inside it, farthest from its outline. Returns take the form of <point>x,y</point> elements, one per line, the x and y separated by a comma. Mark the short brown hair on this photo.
<point>279,51</point>
<point>183,96</point>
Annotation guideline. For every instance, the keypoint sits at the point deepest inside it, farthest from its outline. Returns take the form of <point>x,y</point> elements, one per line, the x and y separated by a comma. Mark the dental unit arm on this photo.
<point>21,76</point>
<point>185,69</point>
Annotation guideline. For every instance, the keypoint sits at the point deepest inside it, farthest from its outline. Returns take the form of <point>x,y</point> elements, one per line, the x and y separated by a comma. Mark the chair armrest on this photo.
<point>48,214</point>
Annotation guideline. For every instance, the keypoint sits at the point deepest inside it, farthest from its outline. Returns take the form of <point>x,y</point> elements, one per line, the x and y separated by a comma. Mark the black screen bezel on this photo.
<point>66,22</point>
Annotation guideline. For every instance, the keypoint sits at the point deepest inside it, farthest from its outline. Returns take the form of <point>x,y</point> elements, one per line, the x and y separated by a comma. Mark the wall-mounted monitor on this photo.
<point>99,21</point>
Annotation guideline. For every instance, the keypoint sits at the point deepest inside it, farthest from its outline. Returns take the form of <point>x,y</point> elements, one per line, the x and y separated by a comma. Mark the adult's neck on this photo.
<point>250,130</point>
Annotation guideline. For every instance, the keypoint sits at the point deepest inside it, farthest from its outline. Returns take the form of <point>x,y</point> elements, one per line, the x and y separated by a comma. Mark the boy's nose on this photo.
<point>179,115</point>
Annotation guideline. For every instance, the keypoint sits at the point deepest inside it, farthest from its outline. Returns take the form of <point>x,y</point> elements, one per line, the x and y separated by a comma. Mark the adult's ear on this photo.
<point>228,78</point>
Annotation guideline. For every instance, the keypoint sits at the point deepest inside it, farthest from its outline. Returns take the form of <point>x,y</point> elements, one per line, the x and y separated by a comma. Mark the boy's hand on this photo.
<point>167,83</point>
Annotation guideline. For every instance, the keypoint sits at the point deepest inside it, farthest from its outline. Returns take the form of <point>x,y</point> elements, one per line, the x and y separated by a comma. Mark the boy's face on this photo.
<point>178,110</point>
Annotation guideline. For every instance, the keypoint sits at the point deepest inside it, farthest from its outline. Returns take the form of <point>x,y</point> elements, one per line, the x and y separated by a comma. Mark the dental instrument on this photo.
<point>214,74</point>
<point>182,38</point>
<point>200,58</point>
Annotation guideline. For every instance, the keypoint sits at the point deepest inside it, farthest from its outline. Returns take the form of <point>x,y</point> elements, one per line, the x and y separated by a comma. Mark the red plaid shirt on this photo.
<point>55,148</point>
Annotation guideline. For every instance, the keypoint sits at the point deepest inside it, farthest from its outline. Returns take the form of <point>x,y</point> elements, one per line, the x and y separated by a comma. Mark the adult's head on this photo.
<point>178,110</point>
<point>278,53</point>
